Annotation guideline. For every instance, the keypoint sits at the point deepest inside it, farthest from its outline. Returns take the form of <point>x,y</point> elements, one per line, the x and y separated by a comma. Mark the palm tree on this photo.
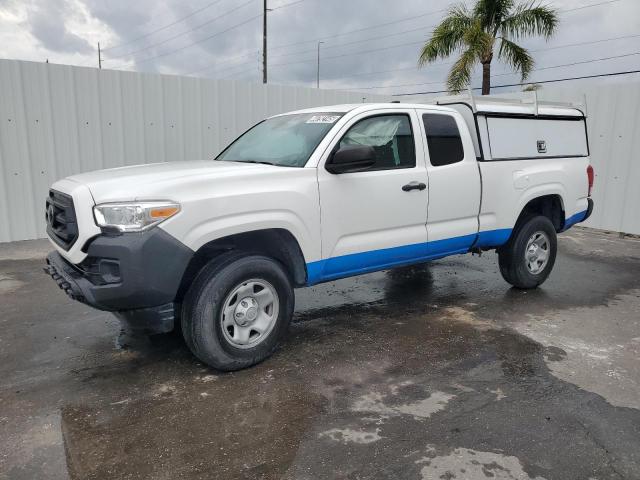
<point>476,32</point>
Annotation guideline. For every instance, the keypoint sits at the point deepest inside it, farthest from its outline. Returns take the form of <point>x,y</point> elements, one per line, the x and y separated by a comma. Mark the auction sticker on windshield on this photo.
<point>323,119</point>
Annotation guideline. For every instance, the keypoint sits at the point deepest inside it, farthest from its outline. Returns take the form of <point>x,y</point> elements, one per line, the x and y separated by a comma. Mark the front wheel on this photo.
<point>528,258</point>
<point>237,310</point>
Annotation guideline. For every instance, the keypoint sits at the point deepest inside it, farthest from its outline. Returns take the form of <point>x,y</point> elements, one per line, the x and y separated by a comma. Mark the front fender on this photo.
<point>209,229</point>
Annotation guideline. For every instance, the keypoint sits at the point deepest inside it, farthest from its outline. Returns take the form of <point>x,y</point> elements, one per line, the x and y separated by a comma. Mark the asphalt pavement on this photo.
<point>434,372</point>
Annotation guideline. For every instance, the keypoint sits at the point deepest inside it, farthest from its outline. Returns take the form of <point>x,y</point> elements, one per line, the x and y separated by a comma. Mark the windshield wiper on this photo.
<point>263,162</point>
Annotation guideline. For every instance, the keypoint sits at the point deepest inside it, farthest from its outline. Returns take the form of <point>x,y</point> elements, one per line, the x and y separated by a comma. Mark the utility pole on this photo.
<point>99,56</point>
<point>264,43</point>
<point>318,79</point>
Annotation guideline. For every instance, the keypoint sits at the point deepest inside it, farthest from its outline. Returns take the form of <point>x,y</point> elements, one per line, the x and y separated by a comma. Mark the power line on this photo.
<point>611,74</point>
<point>208,37</point>
<point>449,63</point>
<point>404,19</point>
<point>340,45</point>
<point>350,32</point>
<point>171,52</point>
<point>576,63</point>
<point>509,73</point>
<point>287,5</point>
<point>391,47</point>
<point>414,68</point>
<point>589,6</point>
<point>249,54</point>
<point>566,45</point>
<point>195,12</point>
<point>379,37</point>
<point>406,44</point>
<point>208,22</point>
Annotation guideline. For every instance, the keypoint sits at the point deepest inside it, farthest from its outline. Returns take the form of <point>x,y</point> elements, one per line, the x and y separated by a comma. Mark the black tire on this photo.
<point>511,257</point>
<point>202,309</point>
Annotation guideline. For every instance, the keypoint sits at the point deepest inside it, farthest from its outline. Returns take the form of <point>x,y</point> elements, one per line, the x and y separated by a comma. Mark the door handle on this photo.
<point>413,186</point>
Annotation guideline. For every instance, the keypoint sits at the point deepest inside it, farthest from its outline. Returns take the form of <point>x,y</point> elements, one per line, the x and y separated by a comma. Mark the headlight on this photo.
<point>134,216</point>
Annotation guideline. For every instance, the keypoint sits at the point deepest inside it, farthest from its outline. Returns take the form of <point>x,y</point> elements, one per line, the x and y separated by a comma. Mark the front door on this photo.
<point>374,219</point>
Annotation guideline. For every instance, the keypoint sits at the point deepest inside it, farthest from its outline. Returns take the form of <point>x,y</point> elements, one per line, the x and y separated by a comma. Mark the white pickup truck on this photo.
<point>313,196</point>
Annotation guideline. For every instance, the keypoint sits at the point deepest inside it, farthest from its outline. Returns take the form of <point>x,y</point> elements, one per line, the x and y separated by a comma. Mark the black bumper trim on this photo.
<point>65,276</point>
<point>142,281</point>
<point>589,209</point>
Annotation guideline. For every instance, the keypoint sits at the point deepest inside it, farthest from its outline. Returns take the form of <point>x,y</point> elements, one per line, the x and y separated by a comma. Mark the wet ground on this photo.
<point>437,372</point>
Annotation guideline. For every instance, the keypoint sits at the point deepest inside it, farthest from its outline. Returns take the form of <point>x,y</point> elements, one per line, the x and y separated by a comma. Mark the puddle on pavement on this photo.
<point>207,430</point>
<point>321,401</point>
<point>465,463</point>
<point>9,284</point>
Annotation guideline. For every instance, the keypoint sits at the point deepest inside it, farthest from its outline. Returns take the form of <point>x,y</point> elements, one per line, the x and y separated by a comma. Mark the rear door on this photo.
<point>454,182</point>
<point>376,218</point>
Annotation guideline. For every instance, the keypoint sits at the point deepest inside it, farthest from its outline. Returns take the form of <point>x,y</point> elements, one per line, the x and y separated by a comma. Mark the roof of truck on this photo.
<point>515,104</point>
<point>344,108</point>
<point>522,109</point>
<point>478,104</point>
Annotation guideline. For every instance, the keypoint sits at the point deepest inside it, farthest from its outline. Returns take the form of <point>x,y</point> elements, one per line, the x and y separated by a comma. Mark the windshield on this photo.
<point>287,140</point>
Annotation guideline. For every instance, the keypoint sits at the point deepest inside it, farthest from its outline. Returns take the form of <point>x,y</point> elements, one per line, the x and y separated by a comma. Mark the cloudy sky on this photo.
<point>369,45</point>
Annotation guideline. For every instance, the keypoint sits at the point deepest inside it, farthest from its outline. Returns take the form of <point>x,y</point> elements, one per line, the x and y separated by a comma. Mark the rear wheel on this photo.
<point>237,310</point>
<point>528,258</point>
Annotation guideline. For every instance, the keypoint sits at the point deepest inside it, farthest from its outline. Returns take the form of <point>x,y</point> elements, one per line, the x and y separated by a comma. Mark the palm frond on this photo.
<point>460,74</point>
<point>516,57</point>
<point>528,19</point>
<point>474,33</point>
<point>478,40</point>
<point>491,12</point>
<point>448,36</point>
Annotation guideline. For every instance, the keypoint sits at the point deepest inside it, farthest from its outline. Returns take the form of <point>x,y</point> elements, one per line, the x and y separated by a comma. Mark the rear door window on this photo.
<point>443,139</point>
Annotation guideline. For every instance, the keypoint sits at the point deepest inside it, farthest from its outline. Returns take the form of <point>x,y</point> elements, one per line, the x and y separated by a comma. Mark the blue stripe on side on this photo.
<point>493,238</point>
<point>573,219</point>
<point>366,262</point>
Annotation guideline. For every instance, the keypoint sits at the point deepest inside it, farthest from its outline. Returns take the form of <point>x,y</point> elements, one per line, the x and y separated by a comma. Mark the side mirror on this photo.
<point>351,158</point>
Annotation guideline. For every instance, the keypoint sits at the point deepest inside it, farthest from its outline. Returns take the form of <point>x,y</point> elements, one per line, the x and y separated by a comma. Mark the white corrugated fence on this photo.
<point>613,124</point>
<point>58,120</point>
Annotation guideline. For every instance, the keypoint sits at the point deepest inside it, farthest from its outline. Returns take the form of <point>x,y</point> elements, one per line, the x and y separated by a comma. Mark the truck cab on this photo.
<point>217,246</point>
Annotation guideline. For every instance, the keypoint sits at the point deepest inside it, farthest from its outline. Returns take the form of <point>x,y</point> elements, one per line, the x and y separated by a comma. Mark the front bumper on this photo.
<point>134,275</point>
<point>68,279</point>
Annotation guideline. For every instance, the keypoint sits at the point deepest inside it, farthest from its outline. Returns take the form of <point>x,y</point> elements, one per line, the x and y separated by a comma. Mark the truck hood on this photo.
<point>160,180</point>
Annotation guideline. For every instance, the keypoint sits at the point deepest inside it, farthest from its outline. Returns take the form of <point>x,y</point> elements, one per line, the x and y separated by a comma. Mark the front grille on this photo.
<point>61,219</point>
